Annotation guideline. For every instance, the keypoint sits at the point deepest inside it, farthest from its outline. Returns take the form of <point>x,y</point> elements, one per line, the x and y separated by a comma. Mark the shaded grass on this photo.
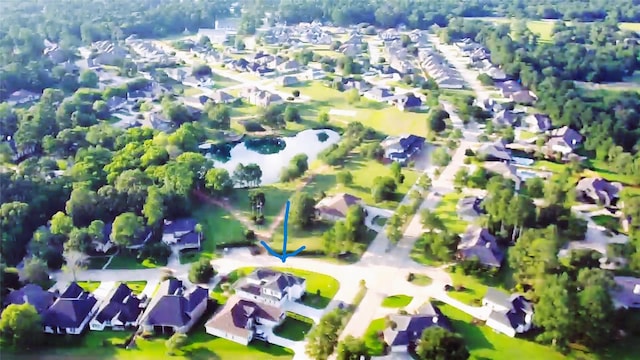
<point>446,210</point>
<point>396,301</point>
<point>295,327</point>
<point>475,287</point>
<point>372,339</point>
<point>609,222</point>
<point>128,260</point>
<point>97,262</point>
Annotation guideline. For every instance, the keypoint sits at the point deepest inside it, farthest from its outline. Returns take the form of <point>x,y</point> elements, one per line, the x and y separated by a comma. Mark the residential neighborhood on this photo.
<point>277,181</point>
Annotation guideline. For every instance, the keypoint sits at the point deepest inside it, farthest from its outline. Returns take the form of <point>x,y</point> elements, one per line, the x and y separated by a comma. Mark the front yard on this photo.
<point>89,286</point>
<point>295,327</point>
<point>128,260</point>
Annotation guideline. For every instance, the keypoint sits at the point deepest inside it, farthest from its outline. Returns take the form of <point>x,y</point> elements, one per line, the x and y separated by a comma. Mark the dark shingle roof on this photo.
<point>121,303</point>
<point>171,307</point>
<point>71,309</point>
<point>275,279</point>
<point>409,328</point>
<point>32,294</point>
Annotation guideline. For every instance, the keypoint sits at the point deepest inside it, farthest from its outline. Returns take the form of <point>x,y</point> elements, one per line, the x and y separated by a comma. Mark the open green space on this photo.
<point>199,346</point>
<point>128,260</point>
<point>219,228</point>
<point>136,286</point>
<point>372,338</point>
<point>275,195</point>
<point>89,286</point>
<point>396,301</point>
<point>221,82</point>
<point>611,223</point>
<point>97,262</point>
<point>294,327</point>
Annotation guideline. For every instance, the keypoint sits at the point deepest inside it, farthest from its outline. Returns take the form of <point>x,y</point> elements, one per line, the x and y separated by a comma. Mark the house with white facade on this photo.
<point>510,314</point>
<point>71,312</point>
<point>271,287</point>
<point>181,233</point>
<point>119,310</point>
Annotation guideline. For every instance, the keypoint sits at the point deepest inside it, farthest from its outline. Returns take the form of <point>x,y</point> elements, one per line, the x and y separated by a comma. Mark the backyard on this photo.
<point>396,301</point>
<point>219,227</point>
<point>295,327</point>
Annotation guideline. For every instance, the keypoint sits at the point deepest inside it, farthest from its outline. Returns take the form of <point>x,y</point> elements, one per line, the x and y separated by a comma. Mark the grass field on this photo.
<point>372,340</point>
<point>219,227</point>
<point>276,196</point>
<point>612,223</point>
<point>127,260</point>
<point>222,82</point>
<point>396,301</point>
<point>295,327</point>
<point>191,91</point>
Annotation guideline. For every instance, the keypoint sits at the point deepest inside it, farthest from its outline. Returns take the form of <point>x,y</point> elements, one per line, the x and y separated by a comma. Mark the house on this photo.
<point>289,66</point>
<point>197,102</point>
<point>259,97</point>
<point>510,314</point>
<point>488,105</point>
<point>71,312</point>
<point>564,140</point>
<point>173,308</point>
<point>597,190</point>
<point>509,87</point>
<point>335,208</point>
<point>408,102</point>
<point>31,294</point>
<point>627,292</point>
<point>116,103</point>
<point>288,81</point>
<point>351,50</point>
<point>401,148</point>
<point>496,74</point>
<point>119,310</point>
<point>406,330</point>
<point>538,123</point>
<point>505,170</point>
<point>107,53</point>
<point>469,208</point>
<point>19,97</point>
<point>378,94</point>
<point>181,233</point>
<point>271,287</point>
<point>506,118</point>
<point>238,318</point>
<point>54,52</point>
<point>478,243</point>
<point>495,151</point>
<point>314,74</point>
<point>221,97</point>
<point>525,97</point>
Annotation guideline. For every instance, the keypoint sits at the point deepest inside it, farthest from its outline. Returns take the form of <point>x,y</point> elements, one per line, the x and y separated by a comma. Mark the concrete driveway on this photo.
<point>304,310</point>
<point>103,290</point>
<point>372,213</point>
<point>150,288</point>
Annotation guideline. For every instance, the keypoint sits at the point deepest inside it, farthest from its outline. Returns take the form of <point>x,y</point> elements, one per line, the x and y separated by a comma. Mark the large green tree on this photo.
<point>437,343</point>
<point>21,326</point>
<point>302,210</point>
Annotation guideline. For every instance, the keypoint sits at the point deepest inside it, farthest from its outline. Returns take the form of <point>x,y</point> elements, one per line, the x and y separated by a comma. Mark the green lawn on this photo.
<point>421,280</point>
<point>89,286</point>
<point>600,168</point>
<point>97,262</point>
<point>126,260</point>
<point>219,228</point>
<point>476,287</point>
<point>611,223</point>
<point>396,301</point>
<point>295,327</point>
<point>191,91</point>
<point>222,82</point>
<point>276,197</point>
<point>136,286</point>
<point>321,288</point>
<point>372,338</point>
<point>199,346</point>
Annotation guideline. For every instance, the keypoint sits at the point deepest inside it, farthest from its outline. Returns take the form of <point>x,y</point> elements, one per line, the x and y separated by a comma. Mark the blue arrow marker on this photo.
<point>284,255</point>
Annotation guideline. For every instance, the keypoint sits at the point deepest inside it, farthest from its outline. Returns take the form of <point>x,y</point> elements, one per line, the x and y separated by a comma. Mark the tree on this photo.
<point>154,207</point>
<point>201,272</point>
<point>436,120</point>
<point>485,79</point>
<point>302,210</point>
<point>75,261</point>
<point>249,175</point>
<point>88,79</point>
<point>431,221</point>
<point>384,188</point>
<point>353,96</point>
<point>394,228</point>
<point>21,326</point>
<point>201,70</point>
<point>440,156</point>
<point>296,93</point>
<point>441,245</point>
<point>218,181</point>
<point>554,312</point>
<point>79,240</point>
<point>535,187</point>
<point>460,178</point>
<point>126,227</point>
<point>396,172</point>
<point>61,224</point>
<point>35,271</point>
<point>217,116</point>
<point>595,309</point>
<point>344,177</point>
<point>291,114</point>
<point>323,338</point>
<point>240,45</point>
<point>351,348</point>
<point>437,343</point>
<point>323,117</point>
<point>425,183</point>
<point>175,342</point>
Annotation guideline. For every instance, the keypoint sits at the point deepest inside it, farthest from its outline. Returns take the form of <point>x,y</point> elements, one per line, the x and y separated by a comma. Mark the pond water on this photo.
<point>307,142</point>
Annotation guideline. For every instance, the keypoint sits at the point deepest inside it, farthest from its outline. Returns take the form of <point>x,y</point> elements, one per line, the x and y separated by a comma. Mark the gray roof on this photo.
<point>337,205</point>
<point>495,151</point>
<point>120,303</point>
<point>70,309</point>
<point>478,242</point>
<point>409,328</point>
<point>542,121</point>
<point>470,206</point>
<point>275,280</point>
<point>504,169</point>
<point>171,306</point>
<point>565,136</point>
<point>236,313</point>
<point>31,294</point>
<point>506,118</point>
<point>517,308</point>
<point>599,189</point>
<point>627,292</point>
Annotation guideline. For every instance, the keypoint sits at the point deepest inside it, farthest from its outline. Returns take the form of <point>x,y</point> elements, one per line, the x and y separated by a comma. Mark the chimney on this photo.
<point>636,289</point>
<point>488,245</point>
<point>435,319</point>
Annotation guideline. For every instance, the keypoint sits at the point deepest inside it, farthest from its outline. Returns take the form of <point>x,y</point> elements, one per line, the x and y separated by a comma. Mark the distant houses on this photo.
<point>401,148</point>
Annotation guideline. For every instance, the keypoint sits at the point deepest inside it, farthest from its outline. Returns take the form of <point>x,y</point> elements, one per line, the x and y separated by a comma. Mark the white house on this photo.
<point>71,312</point>
<point>237,320</point>
<point>271,287</point>
<point>510,314</point>
<point>120,310</point>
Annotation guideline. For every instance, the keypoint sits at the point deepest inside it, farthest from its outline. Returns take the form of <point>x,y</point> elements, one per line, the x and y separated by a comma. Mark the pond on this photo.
<point>270,160</point>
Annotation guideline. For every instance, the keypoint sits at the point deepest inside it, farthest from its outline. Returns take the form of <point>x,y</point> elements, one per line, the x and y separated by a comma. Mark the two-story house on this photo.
<point>271,287</point>
<point>120,309</point>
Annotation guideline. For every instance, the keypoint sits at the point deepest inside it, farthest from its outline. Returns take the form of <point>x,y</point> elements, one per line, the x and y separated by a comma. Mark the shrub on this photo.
<point>250,235</point>
<point>295,93</point>
<point>201,272</point>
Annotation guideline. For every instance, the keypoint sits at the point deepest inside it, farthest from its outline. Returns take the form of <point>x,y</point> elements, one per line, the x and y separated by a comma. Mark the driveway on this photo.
<point>150,288</point>
<point>296,346</point>
<point>304,310</point>
<point>103,290</point>
<point>372,213</point>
